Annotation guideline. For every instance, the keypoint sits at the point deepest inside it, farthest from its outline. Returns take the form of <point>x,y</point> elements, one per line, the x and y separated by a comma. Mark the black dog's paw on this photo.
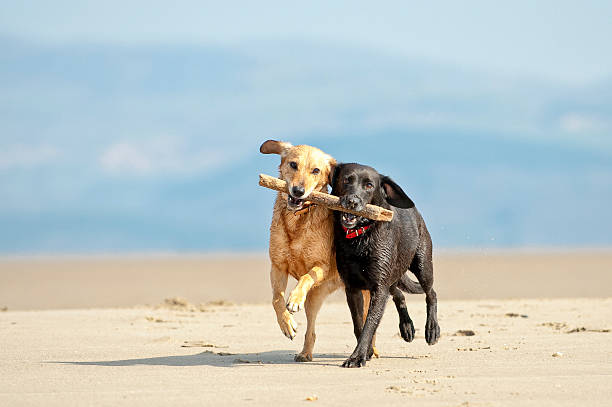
<point>355,361</point>
<point>406,329</point>
<point>432,331</point>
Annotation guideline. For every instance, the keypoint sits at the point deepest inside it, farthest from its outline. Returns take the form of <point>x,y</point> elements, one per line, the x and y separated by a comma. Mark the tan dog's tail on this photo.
<point>409,286</point>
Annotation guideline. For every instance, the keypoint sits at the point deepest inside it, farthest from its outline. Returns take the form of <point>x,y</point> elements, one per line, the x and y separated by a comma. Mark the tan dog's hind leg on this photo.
<point>278,280</point>
<point>366,306</point>
<point>314,300</point>
<point>305,283</point>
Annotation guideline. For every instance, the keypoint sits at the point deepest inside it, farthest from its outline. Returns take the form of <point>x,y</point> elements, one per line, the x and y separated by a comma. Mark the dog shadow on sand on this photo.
<point>218,359</point>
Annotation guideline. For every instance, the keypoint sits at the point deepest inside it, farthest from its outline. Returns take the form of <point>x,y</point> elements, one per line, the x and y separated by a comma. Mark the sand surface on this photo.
<point>125,281</point>
<point>235,355</point>
<point>521,307</point>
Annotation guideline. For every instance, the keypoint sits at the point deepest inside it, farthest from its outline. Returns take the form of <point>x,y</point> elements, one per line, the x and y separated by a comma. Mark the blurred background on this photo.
<point>135,126</point>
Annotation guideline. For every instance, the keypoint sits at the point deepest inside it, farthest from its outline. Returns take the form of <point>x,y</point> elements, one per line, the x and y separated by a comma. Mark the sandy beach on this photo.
<point>517,329</point>
<point>60,282</point>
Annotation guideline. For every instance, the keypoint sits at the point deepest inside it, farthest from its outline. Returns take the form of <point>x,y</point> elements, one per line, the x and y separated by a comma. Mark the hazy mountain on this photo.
<point>153,148</point>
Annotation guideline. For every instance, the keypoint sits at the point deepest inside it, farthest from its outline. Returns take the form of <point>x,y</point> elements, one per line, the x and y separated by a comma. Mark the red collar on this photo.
<point>351,233</point>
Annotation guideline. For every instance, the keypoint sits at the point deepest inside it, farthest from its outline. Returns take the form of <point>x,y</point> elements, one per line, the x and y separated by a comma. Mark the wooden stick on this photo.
<point>332,202</point>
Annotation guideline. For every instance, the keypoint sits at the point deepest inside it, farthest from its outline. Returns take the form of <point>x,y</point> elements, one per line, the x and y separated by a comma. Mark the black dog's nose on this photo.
<point>352,202</point>
<point>297,192</point>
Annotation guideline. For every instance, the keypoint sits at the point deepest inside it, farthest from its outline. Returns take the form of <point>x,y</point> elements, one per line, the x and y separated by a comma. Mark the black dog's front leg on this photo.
<point>354,299</point>
<point>378,301</point>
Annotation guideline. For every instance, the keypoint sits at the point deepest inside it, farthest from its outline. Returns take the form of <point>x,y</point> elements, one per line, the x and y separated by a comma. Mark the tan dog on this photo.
<point>301,240</point>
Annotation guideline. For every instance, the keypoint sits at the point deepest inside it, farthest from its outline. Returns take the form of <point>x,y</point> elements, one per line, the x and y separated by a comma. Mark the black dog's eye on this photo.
<point>369,185</point>
<point>346,180</point>
<point>316,171</point>
<point>293,165</point>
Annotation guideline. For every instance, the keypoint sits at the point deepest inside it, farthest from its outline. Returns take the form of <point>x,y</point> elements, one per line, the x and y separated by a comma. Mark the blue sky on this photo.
<point>117,119</point>
<point>563,40</point>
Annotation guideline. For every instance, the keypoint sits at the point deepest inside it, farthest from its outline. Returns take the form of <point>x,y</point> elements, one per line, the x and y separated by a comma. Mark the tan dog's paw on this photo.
<point>303,357</point>
<point>296,301</point>
<point>287,325</point>
<point>375,352</point>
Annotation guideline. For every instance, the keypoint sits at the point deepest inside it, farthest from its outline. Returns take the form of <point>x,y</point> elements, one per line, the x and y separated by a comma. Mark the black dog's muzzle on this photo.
<point>352,202</point>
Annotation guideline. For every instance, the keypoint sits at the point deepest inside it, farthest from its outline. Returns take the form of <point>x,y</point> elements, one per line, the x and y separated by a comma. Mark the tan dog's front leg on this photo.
<point>278,280</point>
<point>299,293</point>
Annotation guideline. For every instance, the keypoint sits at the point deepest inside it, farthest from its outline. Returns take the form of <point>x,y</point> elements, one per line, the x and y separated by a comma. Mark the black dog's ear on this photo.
<point>394,194</point>
<point>333,177</point>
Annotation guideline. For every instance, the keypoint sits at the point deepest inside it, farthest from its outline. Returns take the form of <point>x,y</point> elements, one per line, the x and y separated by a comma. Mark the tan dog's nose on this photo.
<point>297,191</point>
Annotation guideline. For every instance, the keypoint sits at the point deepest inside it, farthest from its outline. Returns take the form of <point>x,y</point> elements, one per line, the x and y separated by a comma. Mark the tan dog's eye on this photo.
<point>369,186</point>
<point>293,165</point>
<point>316,171</point>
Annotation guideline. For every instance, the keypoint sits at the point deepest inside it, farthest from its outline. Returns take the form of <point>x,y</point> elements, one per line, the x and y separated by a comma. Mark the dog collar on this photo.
<point>351,233</point>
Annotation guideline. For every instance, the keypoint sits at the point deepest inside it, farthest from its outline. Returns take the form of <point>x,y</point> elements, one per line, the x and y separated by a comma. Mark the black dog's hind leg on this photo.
<point>408,286</point>
<point>378,301</point>
<point>422,267</point>
<point>406,327</point>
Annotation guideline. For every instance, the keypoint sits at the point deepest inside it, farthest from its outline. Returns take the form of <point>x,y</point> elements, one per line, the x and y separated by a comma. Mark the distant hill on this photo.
<point>153,148</point>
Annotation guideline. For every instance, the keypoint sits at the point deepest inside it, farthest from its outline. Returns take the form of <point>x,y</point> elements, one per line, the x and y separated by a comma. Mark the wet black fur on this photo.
<point>378,260</point>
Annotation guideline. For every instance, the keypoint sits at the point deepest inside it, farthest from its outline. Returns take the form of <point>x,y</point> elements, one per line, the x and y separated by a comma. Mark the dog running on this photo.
<point>374,255</point>
<point>301,240</point>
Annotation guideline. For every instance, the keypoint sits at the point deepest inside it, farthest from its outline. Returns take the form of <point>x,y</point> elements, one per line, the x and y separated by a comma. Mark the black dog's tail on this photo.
<point>408,286</point>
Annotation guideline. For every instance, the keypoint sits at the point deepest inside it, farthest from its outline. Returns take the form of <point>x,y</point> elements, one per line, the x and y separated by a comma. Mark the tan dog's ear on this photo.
<point>274,147</point>
<point>332,170</point>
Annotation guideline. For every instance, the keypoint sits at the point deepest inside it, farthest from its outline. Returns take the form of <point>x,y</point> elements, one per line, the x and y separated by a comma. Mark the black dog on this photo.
<point>375,256</point>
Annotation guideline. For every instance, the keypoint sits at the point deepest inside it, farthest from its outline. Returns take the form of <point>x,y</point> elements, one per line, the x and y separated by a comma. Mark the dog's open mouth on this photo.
<point>349,220</point>
<point>294,204</point>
